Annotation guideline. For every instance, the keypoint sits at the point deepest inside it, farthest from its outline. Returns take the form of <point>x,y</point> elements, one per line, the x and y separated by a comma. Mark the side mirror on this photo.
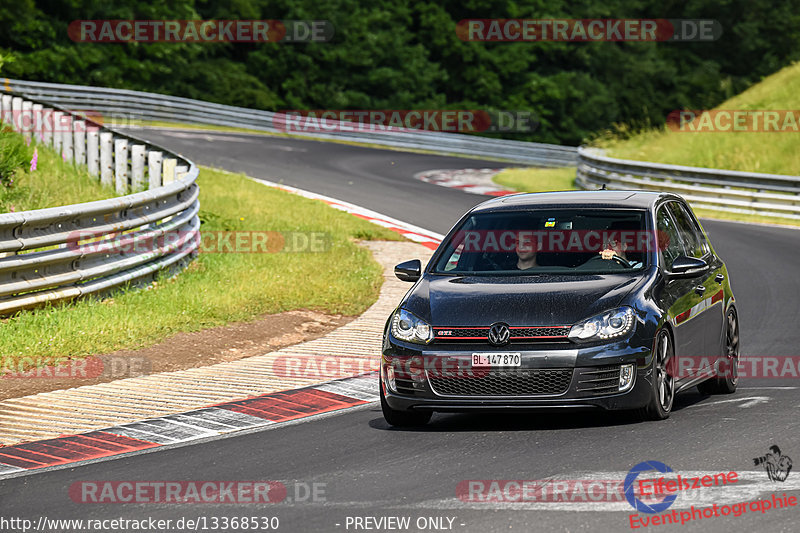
<point>687,267</point>
<point>409,271</point>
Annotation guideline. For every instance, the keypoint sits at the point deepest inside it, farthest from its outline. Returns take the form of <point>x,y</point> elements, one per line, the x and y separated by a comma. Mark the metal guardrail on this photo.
<point>771,195</point>
<point>158,107</point>
<point>60,253</point>
<point>39,262</point>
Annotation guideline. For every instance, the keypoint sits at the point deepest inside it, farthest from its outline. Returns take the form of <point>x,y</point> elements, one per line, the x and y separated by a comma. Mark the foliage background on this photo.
<point>401,54</point>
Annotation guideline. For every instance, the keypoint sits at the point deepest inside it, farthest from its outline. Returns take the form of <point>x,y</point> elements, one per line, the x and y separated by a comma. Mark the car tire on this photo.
<point>663,392</point>
<point>726,384</point>
<point>402,419</point>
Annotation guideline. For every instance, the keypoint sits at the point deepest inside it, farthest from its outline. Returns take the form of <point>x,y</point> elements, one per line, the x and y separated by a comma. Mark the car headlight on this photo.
<point>410,328</point>
<point>608,325</point>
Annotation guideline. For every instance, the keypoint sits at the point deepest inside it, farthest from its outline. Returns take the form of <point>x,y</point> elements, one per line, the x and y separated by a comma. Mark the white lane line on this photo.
<point>750,485</point>
<point>136,431</point>
<point>7,469</point>
<point>186,427</point>
<point>347,391</point>
<point>768,388</point>
<point>361,388</point>
<point>414,233</point>
<point>748,401</point>
<point>234,419</point>
<point>180,431</point>
<point>208,136</point>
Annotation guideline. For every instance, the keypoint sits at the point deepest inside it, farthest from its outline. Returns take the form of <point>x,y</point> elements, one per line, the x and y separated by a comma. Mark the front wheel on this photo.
<point>402,419</point>
<point>663,392</point>
<point>726,383</point>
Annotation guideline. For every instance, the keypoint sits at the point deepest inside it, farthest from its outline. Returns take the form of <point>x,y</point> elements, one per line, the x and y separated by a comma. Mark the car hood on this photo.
<point>542,300</point>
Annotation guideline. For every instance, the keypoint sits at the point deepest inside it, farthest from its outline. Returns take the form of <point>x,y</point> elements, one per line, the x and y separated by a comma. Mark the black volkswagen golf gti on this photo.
<point>586,299</point>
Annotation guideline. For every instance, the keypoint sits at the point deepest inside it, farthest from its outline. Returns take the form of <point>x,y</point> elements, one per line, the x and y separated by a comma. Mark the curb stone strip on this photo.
<point>429,239</point>
<point>225,418</point>
<point>228,417</point>
<point>471,180</point>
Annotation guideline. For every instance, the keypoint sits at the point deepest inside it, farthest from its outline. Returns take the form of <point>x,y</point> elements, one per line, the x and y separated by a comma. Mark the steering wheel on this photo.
<point>619,260</point>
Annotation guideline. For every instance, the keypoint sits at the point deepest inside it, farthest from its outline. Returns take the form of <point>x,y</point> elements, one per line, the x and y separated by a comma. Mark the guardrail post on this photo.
<point>168,171</point>
<point>121,165</point>
<point>47,126</point>
<point>137,168</point>
<point>37,122</point>
<point>6,101</point>
<point>57,129</point>
<point>26,119</point>
<point>66,138</point>
<point>93,151</point>
<point>181,171</point>
<point>79,139</point>
<point>16,111</point>
<point>154,169</point>
<point>106,158</point>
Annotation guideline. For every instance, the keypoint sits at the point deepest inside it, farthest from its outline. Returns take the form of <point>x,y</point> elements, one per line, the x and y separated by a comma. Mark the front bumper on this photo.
<point>558,376</point>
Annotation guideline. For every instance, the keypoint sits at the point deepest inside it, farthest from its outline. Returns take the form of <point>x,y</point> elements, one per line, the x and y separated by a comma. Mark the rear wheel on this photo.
<point>663,382</point>
<point>402,419</point>
<point>728,367</point>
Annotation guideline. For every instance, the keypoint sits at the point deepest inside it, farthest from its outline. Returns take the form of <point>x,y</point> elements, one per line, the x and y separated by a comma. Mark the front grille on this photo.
<point>599,379</point>
<point>516,382</point>
<point>539,332</point>
<point>518,334</point>
<point>450,333</point>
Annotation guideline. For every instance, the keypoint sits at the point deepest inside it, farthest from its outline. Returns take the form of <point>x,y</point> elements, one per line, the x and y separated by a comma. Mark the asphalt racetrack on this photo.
<point>364,470</point>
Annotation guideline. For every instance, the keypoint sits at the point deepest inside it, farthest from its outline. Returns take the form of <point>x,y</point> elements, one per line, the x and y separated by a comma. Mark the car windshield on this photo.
<point>568,241</point>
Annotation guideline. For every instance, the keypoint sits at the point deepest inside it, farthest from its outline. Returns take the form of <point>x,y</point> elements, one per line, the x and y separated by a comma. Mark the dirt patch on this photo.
<point>180,352</point>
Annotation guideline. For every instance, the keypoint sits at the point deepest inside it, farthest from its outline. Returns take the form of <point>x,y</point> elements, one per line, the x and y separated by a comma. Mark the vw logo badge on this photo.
<point>499,334</point>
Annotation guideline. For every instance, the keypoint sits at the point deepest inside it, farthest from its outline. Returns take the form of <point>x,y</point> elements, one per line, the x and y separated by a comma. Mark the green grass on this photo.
<point>537,179</point>
<point>773,153</point>
<point>770,152</point>
<point>218,288</point>
<point>53,183</point>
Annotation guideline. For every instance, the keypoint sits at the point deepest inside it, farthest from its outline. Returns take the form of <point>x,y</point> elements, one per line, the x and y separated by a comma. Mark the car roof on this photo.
<point>562,199</point>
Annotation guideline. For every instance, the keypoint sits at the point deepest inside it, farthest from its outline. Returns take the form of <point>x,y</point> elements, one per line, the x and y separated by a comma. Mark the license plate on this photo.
<point>495,359</point>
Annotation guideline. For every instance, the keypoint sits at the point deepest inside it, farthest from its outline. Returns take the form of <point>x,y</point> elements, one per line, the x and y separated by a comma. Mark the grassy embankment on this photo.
<point>768,152</point>
<point>217,288</point>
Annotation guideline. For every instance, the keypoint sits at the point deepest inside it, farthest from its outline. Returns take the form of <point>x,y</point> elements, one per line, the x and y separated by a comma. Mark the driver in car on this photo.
<point>613,248</point>
<point>616,249</point>
<point>526,254</point>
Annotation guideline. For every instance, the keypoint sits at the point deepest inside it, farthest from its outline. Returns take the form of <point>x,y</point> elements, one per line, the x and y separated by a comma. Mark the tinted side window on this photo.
<point>693,238</point>
<point>669,242</point>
